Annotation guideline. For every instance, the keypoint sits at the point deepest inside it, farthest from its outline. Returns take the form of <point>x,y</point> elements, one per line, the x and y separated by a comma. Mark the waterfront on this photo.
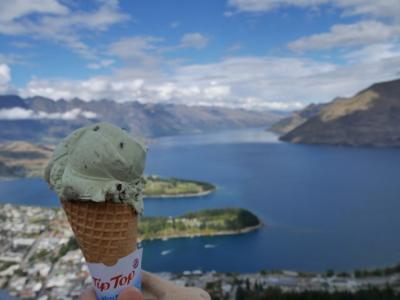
<point>40,260</point>
<point>324,207</point>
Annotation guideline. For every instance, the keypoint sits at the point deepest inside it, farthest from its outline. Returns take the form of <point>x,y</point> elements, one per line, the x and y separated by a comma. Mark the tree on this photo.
<point>240,294</point>
<point>329,273</point>
<point>247,284</point>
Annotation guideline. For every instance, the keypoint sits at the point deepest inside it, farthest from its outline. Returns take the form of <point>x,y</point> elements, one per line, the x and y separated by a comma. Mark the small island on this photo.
<point>209,222</point>
<point>24,160</point>
<point>174,187</point>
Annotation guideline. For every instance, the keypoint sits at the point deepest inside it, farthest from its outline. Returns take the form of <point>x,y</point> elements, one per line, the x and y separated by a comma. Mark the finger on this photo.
<point>130,293</point>
<point>198,293</point>
<point>154,284</point>
<point>88,294</point>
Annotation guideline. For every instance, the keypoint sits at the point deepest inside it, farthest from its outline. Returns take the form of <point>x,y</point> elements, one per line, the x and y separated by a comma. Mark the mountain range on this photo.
<point>369,118</point>
<point>296,118</point>
<point>43,120</point>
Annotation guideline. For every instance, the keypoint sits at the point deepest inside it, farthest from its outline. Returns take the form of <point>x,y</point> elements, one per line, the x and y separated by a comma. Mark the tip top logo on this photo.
<point>116,281</point>
<point>135,263</point>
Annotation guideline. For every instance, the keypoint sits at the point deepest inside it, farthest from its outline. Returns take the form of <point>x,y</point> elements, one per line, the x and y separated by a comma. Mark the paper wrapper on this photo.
<point>109,281</point>
<point>107,235</point>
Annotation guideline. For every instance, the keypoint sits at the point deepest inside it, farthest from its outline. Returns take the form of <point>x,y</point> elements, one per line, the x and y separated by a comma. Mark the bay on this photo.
<point>323,207</point>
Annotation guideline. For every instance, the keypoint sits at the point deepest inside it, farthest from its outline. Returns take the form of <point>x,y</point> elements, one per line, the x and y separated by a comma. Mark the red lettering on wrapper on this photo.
<point>130,276</point>
<point>135,263</point>
<point>123,280</point>
<point>104,286</point>
<point>96,281</point>
<point>116,281</point>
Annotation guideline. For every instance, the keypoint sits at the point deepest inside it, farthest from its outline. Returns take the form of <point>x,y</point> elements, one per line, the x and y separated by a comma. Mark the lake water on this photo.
<point>324,207</point>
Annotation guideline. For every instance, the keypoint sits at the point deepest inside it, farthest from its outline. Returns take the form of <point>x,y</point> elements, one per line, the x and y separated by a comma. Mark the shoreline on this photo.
<point>364,268</point>
<point>204,193</point>
<point>218,233</point>
<point>175,236</point>
<point>188,195</point>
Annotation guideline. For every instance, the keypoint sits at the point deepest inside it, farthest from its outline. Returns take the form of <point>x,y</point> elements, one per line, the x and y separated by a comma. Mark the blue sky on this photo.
<point>255,54</point>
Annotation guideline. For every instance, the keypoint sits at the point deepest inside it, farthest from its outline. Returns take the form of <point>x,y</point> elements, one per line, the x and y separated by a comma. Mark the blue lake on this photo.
<point>324,207</point>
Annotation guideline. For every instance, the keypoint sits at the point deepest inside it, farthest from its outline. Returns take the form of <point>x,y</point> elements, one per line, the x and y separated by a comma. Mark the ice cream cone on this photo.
<point>105,231</point>
<point>97,173</point>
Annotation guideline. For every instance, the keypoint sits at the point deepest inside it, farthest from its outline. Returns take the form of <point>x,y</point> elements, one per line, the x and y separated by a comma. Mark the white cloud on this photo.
<point>256,6</point>
<point>99,19</point>
<point>56,22</point>
<point>251,82</point>
<point>5,74</point>
<point>101,64</point>
<point>260,104</point>
<point>15,113</point>
<point>11,10</point>
<point>375,8</point>
<point>216,91</point>
<point>88,114</point>
<point>373,53</point>
<point>163,91</point>
<point>139,49</point>
<point>5,79</point>
<point>343,35</point>
<point>144,56</point>
<point>94,88</point>
<point>195,40</point>
<point>264,82</point>
<point>380,23</point>
<point>265,78</point>
<point>18,113</point>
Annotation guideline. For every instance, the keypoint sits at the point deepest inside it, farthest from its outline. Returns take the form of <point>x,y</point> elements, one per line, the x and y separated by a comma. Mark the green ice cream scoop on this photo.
<point>99,162</point>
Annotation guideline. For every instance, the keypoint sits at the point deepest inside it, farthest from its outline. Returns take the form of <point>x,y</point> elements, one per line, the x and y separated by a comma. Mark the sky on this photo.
<point>253,54</point>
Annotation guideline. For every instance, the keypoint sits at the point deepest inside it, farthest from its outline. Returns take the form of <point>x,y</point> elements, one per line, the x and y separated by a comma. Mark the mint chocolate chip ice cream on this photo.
<point>99,162</point>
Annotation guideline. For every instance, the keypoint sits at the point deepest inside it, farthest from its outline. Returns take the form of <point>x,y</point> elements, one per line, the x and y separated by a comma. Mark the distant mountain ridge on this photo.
<point>41,119</point>
<point>369,118</point>
<point>296,118</point>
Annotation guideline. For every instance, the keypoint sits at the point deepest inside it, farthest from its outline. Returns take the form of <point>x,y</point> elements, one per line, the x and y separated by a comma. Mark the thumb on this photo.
<point>130,293</point>
<point>88,294</point>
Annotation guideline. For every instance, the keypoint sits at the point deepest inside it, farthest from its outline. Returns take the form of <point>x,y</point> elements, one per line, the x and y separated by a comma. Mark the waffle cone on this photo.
<point>105,231</point>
